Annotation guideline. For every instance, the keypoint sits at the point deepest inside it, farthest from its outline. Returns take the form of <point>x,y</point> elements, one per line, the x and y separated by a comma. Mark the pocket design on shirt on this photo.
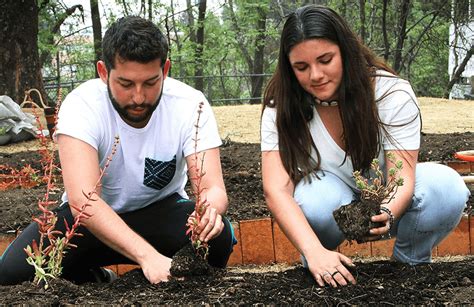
<point>158,174</point>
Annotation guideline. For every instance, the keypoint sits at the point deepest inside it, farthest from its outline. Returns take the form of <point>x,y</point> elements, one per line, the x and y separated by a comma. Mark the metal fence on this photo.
<point>218,89</point>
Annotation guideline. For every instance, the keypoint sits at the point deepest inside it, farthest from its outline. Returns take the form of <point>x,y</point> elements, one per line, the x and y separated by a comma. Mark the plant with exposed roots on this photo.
<point>354,219</point>
<point>201,204</point>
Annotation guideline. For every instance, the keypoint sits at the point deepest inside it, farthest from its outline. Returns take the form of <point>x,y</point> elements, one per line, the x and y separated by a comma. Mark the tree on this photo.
<point>459,70</point>
<point>257,40</point>
<point>199,68</point>
<point>20,68</point>
<point>97,31</point>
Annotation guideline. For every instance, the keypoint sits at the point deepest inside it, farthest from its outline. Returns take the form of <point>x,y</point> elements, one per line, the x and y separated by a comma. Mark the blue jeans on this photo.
<point>436,208</point>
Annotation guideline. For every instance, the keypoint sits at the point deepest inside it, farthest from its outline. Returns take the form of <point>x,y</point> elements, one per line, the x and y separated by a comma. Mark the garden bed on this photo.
<point>379,282</point>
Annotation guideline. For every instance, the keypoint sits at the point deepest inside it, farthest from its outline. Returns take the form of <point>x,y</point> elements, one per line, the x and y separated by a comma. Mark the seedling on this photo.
<point>201,248</point>
<point>354,219</point>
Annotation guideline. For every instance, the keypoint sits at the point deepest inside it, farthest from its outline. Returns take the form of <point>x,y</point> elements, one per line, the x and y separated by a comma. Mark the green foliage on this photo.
<point>229,43</point>
<point>375,188</point>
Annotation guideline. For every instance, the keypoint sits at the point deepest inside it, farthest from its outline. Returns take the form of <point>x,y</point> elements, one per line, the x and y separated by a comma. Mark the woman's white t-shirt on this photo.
<point>397,107</point>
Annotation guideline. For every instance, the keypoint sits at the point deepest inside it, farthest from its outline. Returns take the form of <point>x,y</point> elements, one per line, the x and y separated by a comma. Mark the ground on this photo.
<point>241,167</point>
<point>379,282</point>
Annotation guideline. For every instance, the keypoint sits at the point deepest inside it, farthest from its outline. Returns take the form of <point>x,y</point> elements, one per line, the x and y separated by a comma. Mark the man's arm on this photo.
<point>212,189</point>
<point>80,170</point>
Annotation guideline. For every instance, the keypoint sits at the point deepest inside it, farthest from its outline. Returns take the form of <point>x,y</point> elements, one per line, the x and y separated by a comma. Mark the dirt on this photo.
<point>241,167</point>
<point>379,282</point>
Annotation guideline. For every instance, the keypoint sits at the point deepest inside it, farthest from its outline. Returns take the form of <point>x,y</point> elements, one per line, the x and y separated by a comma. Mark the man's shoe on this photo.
<point>103,275</point>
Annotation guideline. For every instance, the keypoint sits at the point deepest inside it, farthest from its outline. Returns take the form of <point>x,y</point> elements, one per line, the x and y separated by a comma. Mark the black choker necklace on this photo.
<point>332,103</point>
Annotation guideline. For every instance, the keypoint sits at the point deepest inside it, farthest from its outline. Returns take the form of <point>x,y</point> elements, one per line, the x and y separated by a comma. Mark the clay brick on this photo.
<point>462,167</point>
<point>471,233</point>
<point>124,268</point>
<point>257,241</point>
<point>383,248</point>
<point>457,242</point>
<point>5,240</point>
<point>285,252</point>
<point>354,249</point>
<point>236,256</point>
<point>113,267</point>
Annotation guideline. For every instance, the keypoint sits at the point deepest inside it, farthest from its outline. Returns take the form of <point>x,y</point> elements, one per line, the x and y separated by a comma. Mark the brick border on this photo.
<point>261,241</point>
<point>255,249</point>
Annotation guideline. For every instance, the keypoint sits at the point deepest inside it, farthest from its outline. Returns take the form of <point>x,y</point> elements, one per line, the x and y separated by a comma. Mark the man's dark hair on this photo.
<point>133,38</point>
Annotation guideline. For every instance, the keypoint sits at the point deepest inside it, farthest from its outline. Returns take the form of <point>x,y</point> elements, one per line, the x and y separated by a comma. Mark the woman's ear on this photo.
<point>102,70</point>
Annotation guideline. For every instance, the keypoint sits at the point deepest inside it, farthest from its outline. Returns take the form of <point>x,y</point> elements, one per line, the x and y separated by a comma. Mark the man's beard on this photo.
<point>123,111</point>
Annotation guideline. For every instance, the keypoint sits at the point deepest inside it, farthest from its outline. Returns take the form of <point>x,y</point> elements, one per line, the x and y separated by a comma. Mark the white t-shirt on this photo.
<point>400,107</point>
<point>149,164</point>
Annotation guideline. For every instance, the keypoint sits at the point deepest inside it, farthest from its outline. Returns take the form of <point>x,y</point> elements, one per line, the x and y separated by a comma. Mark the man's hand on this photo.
<point>157,268</point>
<point>211,225</point>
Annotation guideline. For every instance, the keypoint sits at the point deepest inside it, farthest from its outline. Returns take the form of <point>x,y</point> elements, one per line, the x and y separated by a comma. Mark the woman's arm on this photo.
<point>278,191</point>
<point>402,198</point>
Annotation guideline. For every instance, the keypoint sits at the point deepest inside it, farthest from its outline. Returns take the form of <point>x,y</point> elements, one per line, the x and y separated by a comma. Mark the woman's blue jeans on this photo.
<point>436,208</point>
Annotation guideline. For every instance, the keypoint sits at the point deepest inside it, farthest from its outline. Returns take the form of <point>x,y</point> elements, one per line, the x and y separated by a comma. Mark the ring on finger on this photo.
<point>332,275</point>
<point>325,273</point>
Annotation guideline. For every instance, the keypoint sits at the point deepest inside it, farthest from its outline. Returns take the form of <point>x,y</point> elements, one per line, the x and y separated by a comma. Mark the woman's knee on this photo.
<point>320,196</point>
<point>440,184</point>
<point>318,199</point>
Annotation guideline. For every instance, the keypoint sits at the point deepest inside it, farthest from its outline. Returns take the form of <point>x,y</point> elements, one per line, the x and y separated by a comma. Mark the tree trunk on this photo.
<point>20,68</point>
<point>150,10</point>
<point>386,44</point>
<point>199,67</point>
<point>402,25</point>
<point>257,79</point>
<point>97,31</point>
<point>362,19</point>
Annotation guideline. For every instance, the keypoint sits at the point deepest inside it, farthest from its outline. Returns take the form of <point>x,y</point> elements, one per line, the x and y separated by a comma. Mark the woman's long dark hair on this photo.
<point>356,95</point>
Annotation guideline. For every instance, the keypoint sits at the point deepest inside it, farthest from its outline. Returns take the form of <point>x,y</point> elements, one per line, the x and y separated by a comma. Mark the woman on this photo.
<point>330,108</point>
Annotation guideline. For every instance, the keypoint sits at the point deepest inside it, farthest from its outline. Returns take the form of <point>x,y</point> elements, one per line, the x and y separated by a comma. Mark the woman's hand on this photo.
<point>380,232</point>
<point>329,268</point>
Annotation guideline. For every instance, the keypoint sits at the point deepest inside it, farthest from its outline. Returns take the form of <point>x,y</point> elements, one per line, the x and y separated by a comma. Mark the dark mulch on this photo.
<point>384,283</point>
<point>379,283</point>
<point>241,167</point>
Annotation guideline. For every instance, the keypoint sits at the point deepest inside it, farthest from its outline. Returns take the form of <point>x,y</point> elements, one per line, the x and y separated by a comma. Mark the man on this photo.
<point>141,212</point>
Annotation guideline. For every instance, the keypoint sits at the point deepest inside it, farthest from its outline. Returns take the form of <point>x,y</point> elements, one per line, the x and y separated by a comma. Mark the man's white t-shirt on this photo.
<point>149,164</point>
<point>397,107</point>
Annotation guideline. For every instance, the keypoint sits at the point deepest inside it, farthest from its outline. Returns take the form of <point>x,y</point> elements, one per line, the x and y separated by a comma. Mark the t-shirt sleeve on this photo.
<point>400,116</point>
<point>77,119</point>
<point>207,133</point>
<point>268,130</point>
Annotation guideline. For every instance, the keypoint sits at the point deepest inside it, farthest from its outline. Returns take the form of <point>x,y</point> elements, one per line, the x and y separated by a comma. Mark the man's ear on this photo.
<point>166,68</point>
<point>102,70</point>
